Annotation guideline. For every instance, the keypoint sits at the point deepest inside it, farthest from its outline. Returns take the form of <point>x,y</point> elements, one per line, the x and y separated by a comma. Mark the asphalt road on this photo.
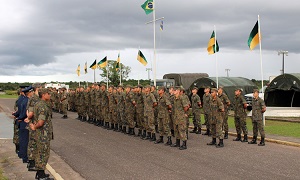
<point>96,153</point>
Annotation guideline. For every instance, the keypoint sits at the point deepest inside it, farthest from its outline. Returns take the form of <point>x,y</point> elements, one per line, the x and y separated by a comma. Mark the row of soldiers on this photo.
<point>147,108</point>
<point>33,128</point>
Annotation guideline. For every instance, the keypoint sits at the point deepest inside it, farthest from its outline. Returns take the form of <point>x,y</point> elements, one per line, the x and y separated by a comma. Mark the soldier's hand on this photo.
<point>27,120</point>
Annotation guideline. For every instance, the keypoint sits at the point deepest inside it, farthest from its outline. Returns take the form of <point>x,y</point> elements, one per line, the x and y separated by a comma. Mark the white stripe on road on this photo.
<point>53,172</point>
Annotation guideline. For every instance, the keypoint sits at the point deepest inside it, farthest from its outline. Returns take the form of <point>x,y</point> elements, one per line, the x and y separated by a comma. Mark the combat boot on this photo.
<point>156,129</point>
<point>226,135</point>
<point>79,117</point>
<point>245,138</point>
<point>187,134</point>
<point>124,130</point>
<point>112,126</point>
<point>65,117</point>
<point>84,119</point>
<point>213,142</point>
<point>199,130</point>
<point>40,175</point>
<point>132,133</point>
<point>139,133</point>
<point>169,143</point>
<point>253,140</point>
<point>183,147</point>
<point>238,138</point>
<point>116,127</point>
<point>153,137</point>
<point>194,130</point>
<point>31,165</point>
<point>144,134</point>
<point>148,136</point>
<point>262,142</point>
<point>172,132</point>
<point>109,126</point>
<point>160,140</point>
<point>221,144</point>
<point>177,144</point>
<point>207,132</point>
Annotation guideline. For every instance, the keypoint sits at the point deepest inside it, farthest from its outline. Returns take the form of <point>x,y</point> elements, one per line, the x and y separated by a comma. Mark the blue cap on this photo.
<point>27,89</point>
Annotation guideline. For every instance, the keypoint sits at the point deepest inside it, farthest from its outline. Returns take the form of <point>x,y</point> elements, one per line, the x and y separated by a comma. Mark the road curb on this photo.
<point>53,172</point>
<point>288,143</point>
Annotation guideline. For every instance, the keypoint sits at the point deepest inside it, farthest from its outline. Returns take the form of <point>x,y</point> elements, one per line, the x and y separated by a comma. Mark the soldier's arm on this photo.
<point>220,105</point>
<point>263,106</point>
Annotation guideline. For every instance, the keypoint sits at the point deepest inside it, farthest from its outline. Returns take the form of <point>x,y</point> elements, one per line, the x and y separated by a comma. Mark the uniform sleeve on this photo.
<point>153,98</point>
<point>243,99</point>
<point>262,103</point>
<point>167,101</point>
<point>41,114</point>
<point>220,104</point>
<point>226,99</point>
<point>185,103</point>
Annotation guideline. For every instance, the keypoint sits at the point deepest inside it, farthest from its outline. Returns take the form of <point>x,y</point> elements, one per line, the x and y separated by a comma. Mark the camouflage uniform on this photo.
<point>64,102</point>
<point>31,150</point>
<point>112,108</point>
<point>121,109</point>
<point>216,106</point>
<point>207,112</point>
<point>129,109</point>
<point>92,108</point>
<point>104,105</point>
<point>140,111</point>
<point>225,100</point>
<point>171,124</point>
<point>44,134</point>
<point>163,116</point>
<point>257,117</point>
<point>240,116</point>
<point>187,119</point>
<point>195,99</point>
<point>149,99</point>
<point>98,106</point>
<point>180,118</point>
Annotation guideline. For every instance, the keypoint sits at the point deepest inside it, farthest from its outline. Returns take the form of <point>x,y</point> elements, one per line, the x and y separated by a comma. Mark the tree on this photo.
<point>113,74</point>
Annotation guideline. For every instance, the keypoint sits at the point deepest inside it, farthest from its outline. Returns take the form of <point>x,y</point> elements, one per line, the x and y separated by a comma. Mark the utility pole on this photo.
<point>283,53</point>
<point>227,72</point>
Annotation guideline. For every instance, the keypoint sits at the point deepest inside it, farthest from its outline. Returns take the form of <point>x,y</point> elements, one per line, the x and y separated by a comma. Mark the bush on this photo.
<point>11,92</point>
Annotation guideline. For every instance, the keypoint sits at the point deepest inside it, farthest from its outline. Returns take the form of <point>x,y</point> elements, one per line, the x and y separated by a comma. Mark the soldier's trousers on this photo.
<point>240,125</point>
<point>114,116</point>
<point>216,129</point>
<point>163,126</point>
<point>150,122</point>
<point>110,117</point>
<point>92,112</point>
<point>31,150</point>
<point>180,130</point>
<point>64,107</point>
<point>197,119</point>
<point>104,113</point>
<point>225,121</point>
<point>97,112</point>
<point>16,133</point>
<point>258,126</point>
<point>130,119</point>
<point>140,119</point>
<point>43,152</point>
<point>171,123</point>
<point>207,121</point>
<point>121,118</point>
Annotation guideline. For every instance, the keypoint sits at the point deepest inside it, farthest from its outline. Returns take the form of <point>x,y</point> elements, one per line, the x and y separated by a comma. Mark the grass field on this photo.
<point>288,129</point>
<point>2,96</point>
<point>1,175</point>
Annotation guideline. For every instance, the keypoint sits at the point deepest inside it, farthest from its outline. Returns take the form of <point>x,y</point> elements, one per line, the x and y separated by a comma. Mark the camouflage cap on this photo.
<point>121,86</point>
<point>161,87</point>
<point>207,87</point>
<point>147,86</point>
<point>44,90</point>
<point>214,90</point>
<point>111,86</point>
<point>139,86</point>
<point>255,90</point>
<point>220,87</point>
<point>177,88</point>
<point>239,89</point>
<point>128,86</point>
<point>102,84</point>
<point>36,85</point>
<point>195,88</point>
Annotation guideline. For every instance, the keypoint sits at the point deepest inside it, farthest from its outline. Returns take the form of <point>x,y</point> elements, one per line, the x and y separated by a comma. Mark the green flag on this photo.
<point>93,66</point>
<point>141,58</point>
<point>213,45</point>
<point>148,6</point>
<point>102,63</point>
<point>253,39</point>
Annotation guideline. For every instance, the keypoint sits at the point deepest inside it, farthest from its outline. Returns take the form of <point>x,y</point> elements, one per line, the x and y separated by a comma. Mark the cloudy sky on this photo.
<point>46,40</point>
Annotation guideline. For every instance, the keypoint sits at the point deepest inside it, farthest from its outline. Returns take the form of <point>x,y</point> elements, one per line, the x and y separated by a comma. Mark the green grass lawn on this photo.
<point>288,129</point>
<point>1,175</point>
<point>5,96</point>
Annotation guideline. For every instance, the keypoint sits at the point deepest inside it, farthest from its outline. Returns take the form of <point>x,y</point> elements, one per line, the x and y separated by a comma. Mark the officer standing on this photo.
<point>226,102</point>
<point>139,110</point>
<point>258,108</point>
<point>44,132</point>
<point>206,109</point>
<point>180,108</point>
<point>129,109</point>
<point>196,105</point>
<point>239,107</point>
<point>149,118</point>
<point>164,107</point>
<point>217,108</point>
<point>64,103</point>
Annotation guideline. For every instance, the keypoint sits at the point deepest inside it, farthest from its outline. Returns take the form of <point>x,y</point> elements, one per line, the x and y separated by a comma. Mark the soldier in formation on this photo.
<point>239,107</point>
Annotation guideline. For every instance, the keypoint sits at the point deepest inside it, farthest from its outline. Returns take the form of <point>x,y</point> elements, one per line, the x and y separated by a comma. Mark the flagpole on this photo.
<point>107,74</point>
<point>261,65</point>
<point>154,58</point>
<point>120,73</point>
<point>215,49</point>
<point>94,75</point>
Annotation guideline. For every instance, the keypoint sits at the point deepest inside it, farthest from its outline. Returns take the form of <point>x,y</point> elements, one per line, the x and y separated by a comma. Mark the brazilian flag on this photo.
<point>148,6</point>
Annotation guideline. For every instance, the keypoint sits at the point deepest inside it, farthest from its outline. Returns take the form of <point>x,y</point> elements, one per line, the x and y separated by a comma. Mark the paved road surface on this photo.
<point>96,153</point>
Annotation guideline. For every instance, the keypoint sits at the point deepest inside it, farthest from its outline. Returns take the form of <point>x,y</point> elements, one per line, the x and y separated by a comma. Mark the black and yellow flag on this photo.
<point>94,65</point>
<point>78,70</point>
<point>118,62</point>
<point>85,68</point>
<point>213,45</point>
<point>253,39</point>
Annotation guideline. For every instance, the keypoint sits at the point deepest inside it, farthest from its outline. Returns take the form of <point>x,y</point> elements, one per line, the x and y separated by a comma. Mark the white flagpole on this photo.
<point>106,73</point>
<point>215,49</point>
<point>120,73</point>
<point>261,65</point>
<point>154,58</point>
